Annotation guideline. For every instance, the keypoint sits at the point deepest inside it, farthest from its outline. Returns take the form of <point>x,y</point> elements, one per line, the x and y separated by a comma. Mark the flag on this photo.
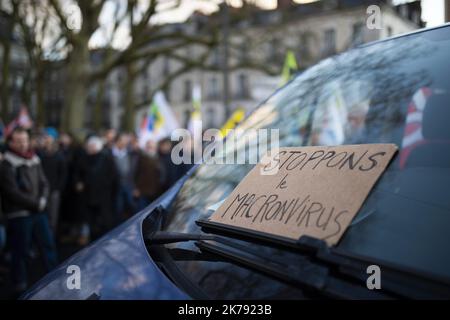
<point>236,117</point>
<point>23,120</point>
<point>412,135</point>
<point>195,121</point>
<point>159,121</point>
<point>155,119</point>
<point>289,68</point>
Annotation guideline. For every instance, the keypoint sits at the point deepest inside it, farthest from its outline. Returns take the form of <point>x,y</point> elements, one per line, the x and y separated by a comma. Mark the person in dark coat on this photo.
<point>148,174</point>
<point>69,150</point>
<point>171,172</point>
<point>126,163</point>
<point>24,192</point>
<point>54,166</point>
<point>97,182</point>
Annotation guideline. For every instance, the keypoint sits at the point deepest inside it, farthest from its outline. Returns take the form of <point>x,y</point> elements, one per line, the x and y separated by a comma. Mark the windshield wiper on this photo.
<point>396,280</point>
<point>164,237</point>
<point>298,270</point>
<point>312,278</point>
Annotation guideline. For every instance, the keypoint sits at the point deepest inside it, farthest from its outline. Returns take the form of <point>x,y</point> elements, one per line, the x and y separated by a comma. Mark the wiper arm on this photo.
<point>311,277</point>
<point>396,279</point>
<point>299,271</point>
<point>165,237</point>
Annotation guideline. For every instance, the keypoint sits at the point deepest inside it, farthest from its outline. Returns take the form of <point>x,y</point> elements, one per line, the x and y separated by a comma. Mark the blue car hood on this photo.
<point>116,266</point>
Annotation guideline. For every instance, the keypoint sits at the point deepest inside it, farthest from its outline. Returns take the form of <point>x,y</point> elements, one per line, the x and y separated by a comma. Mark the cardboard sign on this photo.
<point>314,191</point>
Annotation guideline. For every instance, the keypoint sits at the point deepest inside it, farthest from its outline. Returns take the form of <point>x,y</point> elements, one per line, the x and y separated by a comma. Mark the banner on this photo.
<point>236,117</point>
<point>195,121</point>
<point>289,68</point>
<point>23,120</point>
<point>159,121</point>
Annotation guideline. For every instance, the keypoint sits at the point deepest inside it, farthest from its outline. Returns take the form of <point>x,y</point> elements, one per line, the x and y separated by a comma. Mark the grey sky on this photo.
<point>433,10</point>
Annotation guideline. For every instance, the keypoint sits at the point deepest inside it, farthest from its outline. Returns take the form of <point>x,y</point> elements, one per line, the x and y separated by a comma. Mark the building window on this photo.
<point>213,88</point>
<point>358,34</point>
<point>329,42</point>
<point>274,51</point>
<point>404,11</point>
<point>145,93</point>
<point>216,57</point>
<point>305,47</point>
<point>211,118</point>
<point>244,52</point>
<point>187,91</point>
<point>415,17</point>
<point>189,52</point>
<point>389,31</point>
<point>187,117</point>
<point>167,92</point>
<point>166,66</point>
<point>243,91</point>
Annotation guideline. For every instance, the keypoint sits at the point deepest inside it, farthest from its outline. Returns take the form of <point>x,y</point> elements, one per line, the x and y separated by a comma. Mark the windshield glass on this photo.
<point>396,91</point>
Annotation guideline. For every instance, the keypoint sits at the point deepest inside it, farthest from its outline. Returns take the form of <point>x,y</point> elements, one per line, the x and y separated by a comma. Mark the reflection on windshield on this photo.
<point>341,112</point>
<point>368,95</point>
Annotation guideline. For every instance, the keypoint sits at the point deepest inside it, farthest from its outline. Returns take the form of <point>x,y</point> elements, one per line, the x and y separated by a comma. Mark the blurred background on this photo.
<point>91,65</point>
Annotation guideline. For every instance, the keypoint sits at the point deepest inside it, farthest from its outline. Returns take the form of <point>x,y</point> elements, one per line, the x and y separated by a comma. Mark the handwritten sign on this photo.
<point>315,191</point>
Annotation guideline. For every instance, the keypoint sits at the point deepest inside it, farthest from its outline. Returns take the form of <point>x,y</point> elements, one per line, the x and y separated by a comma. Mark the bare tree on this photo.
<point>81,73</point>
<point>10,14</point>
<point>50,33</point>
<point>42,40</point>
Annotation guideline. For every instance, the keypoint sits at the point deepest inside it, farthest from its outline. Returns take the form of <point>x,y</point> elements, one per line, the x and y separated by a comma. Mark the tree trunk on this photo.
<point>5,96</point>
<point>98,112</point>
<point>25,91</point>
<point>77,85</point>
<point>40,86</point>
<point>129,99</point>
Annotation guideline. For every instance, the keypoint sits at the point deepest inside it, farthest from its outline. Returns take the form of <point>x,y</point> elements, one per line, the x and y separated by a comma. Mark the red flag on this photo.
<point>412,136</point>
<point>23,120</point>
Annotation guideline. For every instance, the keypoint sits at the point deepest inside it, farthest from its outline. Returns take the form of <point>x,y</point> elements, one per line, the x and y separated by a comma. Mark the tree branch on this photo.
<point>63,20</point>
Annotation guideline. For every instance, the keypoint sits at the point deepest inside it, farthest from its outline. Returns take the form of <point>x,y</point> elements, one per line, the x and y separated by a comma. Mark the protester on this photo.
<point>109,138</point>
<point>96,181</point>
<point>134,142</point>
<point>24,192</point>
<point>171,172</point>
<point>66,144</point>
<point>126,163</point>
<point>148,176</point>
<point>70,207</point>
<point>54,166</point>
<point>80,190</point>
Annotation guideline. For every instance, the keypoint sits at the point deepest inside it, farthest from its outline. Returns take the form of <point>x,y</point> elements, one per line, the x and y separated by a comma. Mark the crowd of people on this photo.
<point>55,188</point>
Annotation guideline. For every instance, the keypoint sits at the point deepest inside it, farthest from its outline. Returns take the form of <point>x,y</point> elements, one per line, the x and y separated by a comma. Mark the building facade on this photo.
<point>447,10</point>
<point>18,67</point>
<point>257,46</point>
<point>312,31</point>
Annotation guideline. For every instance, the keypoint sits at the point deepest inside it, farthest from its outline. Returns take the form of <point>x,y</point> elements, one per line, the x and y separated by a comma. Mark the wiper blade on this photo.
<point>311,277</point>
<point>165,237</point>
<point>298,270</point>
<point>396,280</point>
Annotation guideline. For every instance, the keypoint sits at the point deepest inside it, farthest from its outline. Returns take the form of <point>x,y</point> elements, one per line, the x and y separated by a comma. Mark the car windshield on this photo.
<point>395,91</point>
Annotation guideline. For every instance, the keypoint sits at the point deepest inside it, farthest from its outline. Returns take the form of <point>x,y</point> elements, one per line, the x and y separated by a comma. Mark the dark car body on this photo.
<point>392,91</point>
